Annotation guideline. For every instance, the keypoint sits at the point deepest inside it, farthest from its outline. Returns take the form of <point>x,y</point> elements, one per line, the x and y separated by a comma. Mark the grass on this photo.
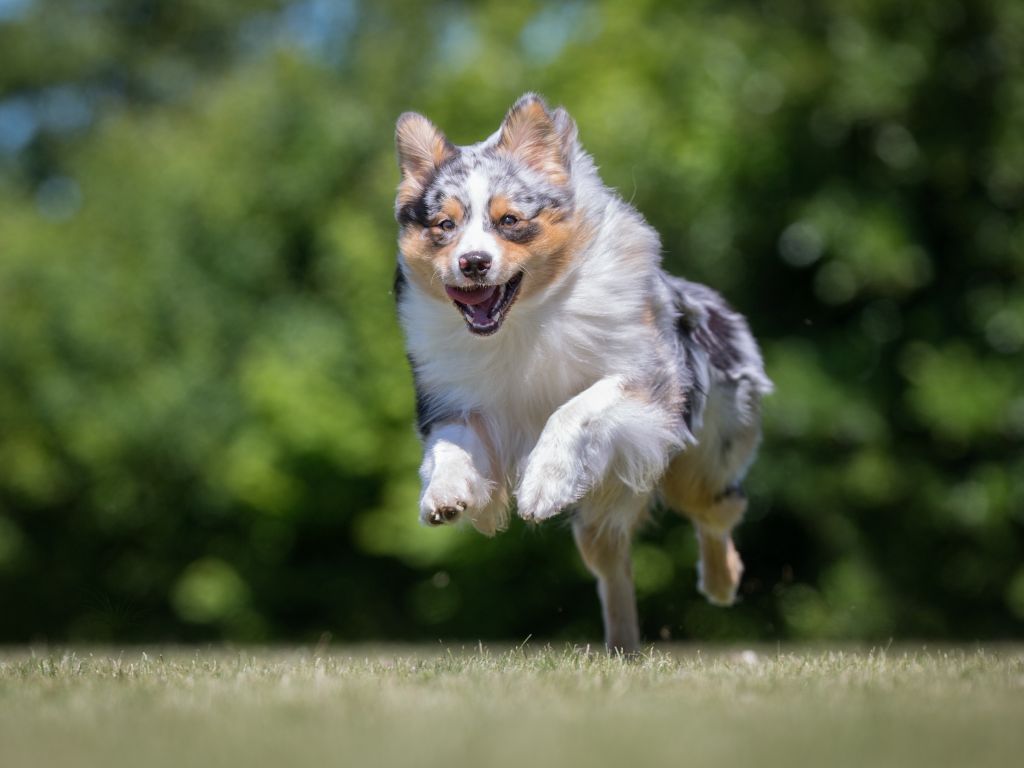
<point>373,706</point>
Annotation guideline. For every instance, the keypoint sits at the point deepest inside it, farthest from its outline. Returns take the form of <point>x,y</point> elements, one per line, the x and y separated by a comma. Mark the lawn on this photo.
<point>464,706</point>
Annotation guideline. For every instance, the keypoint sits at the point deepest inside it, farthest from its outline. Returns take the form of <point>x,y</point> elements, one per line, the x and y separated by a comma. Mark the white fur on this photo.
<point>454,472</point>
<point>476,237</point>
<point>600,431</point>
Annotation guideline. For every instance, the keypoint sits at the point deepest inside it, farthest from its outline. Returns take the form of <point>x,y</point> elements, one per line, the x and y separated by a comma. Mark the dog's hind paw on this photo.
<point>720,568</point>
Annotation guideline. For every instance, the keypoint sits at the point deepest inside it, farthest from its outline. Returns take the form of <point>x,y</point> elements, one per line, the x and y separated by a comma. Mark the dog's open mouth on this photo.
<point>485,306</point>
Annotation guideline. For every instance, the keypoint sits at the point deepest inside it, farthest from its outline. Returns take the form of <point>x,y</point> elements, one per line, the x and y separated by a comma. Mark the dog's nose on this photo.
<point>475,264</point>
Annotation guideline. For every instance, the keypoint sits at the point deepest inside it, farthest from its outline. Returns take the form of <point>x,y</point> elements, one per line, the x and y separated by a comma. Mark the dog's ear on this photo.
<point>422,148</point>
<point>567,132</point>
<point>543,139</point>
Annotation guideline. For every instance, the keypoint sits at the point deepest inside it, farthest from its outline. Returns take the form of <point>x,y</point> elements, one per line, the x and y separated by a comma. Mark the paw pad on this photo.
<point>446,514</point>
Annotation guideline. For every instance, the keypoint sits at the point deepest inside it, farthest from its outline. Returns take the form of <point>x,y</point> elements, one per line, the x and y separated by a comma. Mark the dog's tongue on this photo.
<point>479,300</point>
<point>471,297</point>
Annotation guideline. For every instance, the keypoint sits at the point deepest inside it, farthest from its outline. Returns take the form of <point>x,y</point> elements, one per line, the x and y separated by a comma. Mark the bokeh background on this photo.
<point>205,411</point>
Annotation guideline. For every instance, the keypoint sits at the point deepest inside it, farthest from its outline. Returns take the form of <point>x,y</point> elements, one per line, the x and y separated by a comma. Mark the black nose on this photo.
<point>475,264</point>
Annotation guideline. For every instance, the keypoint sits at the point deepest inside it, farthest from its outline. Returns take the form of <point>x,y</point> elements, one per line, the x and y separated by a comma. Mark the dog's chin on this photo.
<point>485,307</point>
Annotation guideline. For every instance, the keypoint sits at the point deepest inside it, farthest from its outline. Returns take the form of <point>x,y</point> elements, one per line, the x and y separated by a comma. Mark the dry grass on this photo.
<point>468,707</point>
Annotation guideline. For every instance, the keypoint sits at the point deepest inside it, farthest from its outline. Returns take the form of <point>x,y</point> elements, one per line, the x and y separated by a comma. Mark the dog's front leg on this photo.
<point>456,473</point>
<point>610,426</point>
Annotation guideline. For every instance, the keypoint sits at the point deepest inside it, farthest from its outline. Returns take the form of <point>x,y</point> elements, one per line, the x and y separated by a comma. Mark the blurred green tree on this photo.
<point>205,414</point>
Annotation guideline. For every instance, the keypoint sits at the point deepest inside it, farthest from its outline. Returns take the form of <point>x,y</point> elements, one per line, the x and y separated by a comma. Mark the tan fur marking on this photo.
<point>720,568</point>
<point>451,209</point>
<point>547,255</point>
<point>648,318</point>
<point>685,490</point>
<point>530,134</point>
<point>500,206</point>
<point>425,259</point>
<point>422,148</point>
<point>425,251</point>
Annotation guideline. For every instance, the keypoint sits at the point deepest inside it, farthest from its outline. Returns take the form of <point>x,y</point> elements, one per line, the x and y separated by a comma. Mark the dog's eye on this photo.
<point>508,220</point>
<point>447,225</point>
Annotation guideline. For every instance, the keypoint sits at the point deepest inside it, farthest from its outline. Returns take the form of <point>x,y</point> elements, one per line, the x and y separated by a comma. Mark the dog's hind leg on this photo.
<point>604,544</point>
<point>606,554</point>
<point>715,515</point>
<point>720,567</point>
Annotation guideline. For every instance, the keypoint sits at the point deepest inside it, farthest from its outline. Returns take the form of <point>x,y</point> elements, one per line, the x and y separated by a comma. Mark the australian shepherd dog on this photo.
<point>557,367</point>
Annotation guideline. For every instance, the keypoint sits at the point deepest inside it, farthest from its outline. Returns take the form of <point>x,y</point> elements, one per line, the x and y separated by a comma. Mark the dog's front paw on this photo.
<point>448,495</point>
<point>549,485</point>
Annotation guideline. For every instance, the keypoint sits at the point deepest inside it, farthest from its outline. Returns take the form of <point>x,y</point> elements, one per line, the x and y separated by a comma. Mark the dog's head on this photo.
<point>485,224</point>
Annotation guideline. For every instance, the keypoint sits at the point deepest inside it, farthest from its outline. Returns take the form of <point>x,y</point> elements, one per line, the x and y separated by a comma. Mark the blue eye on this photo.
<point>508,220</point>
<point>447,225</point>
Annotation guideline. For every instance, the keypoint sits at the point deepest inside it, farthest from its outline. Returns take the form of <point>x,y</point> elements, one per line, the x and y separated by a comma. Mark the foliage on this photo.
<point>205,413</point>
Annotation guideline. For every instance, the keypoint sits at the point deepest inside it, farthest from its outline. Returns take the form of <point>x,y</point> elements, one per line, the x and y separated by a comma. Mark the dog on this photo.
<point>556,365</point>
